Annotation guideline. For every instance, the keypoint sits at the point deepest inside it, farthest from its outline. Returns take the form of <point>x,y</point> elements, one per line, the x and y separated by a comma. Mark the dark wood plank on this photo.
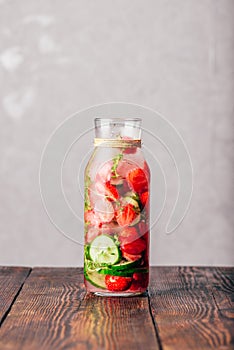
<point>221,281</point>
<point>11,281</point>
<point>193,307</point>
<point>42,314</point>
<point>115,323</point>
<point>54,312</point>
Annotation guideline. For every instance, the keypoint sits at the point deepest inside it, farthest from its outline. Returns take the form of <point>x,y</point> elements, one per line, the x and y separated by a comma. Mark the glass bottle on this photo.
<point>116,210</point>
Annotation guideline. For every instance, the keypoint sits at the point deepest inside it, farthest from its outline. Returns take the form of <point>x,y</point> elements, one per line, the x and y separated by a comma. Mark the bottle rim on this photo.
<point>118,119</point>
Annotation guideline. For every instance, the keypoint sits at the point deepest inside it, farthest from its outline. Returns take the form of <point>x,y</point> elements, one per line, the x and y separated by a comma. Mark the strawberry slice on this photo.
<point>104,210</point>
<point>125,215</point>
<point>131,257</point>
<point>117,283</point>
<point>108,190</point>
<point>137,180</point>
<point>140,281</point>
<point>100,188</point>
<point>144,198</point>
<point>127,235</point>
<point>111,192</point>
<point>136,247</point>
<point>110,228</point>
<point>130,244</point>
<point>94,194</point>
<point>91,217</point>
<point>124,167</point>
<point>104,173</point>
<point>92,233</point>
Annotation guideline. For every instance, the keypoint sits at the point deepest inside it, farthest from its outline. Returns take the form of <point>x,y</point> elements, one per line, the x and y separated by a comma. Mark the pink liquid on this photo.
<point>117,212</point>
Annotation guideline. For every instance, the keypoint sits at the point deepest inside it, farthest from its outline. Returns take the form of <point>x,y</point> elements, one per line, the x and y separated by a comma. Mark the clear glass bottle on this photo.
<point>116,210</point>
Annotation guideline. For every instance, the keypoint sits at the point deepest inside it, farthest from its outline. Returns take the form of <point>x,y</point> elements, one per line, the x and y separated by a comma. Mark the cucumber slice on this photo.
<point>86,251</point>
<point>95,278</point>
<point>103,250</point>
<point>125,265</point>
<point>125,273</point>
<point>109,271</point>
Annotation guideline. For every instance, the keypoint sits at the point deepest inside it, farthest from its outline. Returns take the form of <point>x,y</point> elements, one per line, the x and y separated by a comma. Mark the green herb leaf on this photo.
<point>116,161</point>
<point>86,226</point>
<point>87,205</point>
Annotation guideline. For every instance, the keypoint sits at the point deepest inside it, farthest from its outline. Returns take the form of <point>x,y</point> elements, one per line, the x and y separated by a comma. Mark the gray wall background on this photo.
<point>57,57</point>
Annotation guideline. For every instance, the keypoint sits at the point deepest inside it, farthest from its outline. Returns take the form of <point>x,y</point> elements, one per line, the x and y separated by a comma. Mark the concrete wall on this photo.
<point>57,57</point>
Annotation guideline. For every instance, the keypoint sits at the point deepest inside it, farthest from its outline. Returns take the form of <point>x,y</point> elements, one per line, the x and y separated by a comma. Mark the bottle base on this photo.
<point>118,294</point>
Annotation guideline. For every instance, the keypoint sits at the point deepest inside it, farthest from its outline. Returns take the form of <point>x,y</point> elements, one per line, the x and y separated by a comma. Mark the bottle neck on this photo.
<point>118,129</point>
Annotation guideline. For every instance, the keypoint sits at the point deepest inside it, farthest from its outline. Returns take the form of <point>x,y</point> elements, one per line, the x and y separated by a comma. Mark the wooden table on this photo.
<point>48,308</point>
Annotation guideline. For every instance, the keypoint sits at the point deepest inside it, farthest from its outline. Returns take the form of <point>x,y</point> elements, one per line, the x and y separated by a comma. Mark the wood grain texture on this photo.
<point>54,312</point>
<point>41,316</point>
<point>11,281</point>
<point>187,308</point>
<point>193,307</point>
<point>115,323</point>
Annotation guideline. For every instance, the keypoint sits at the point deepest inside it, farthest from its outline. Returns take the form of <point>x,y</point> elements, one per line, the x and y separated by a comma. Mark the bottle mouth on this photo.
<point>117,128</point>
<point>118,119</point>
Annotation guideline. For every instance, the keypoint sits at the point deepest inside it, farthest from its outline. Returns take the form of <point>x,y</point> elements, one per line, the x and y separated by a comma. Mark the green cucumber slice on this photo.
<point>127,273</point>
<point>103,250</point>
<point>109,271</point>
<point>95,278</point>
<point>125,265</point>
<point>86,251</point>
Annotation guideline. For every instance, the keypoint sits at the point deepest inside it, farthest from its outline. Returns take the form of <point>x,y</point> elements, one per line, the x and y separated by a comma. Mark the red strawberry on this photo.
<point>94,195</point>
<point>104,173</point>
<point>144,197</point>
<point>140,281</point>
<point>108,190</point>
<point>137,180</point>
<point>125,215</point>
<point>131,257</point>
<point>136,247</point>
<point>117,283</point>
<point>127,235</point>
<point>92,218</point>
<point>91,234</point>
<point>124,167</point>
<point>111,192</point>
<point>104,210</point>
<point>110,228</point>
